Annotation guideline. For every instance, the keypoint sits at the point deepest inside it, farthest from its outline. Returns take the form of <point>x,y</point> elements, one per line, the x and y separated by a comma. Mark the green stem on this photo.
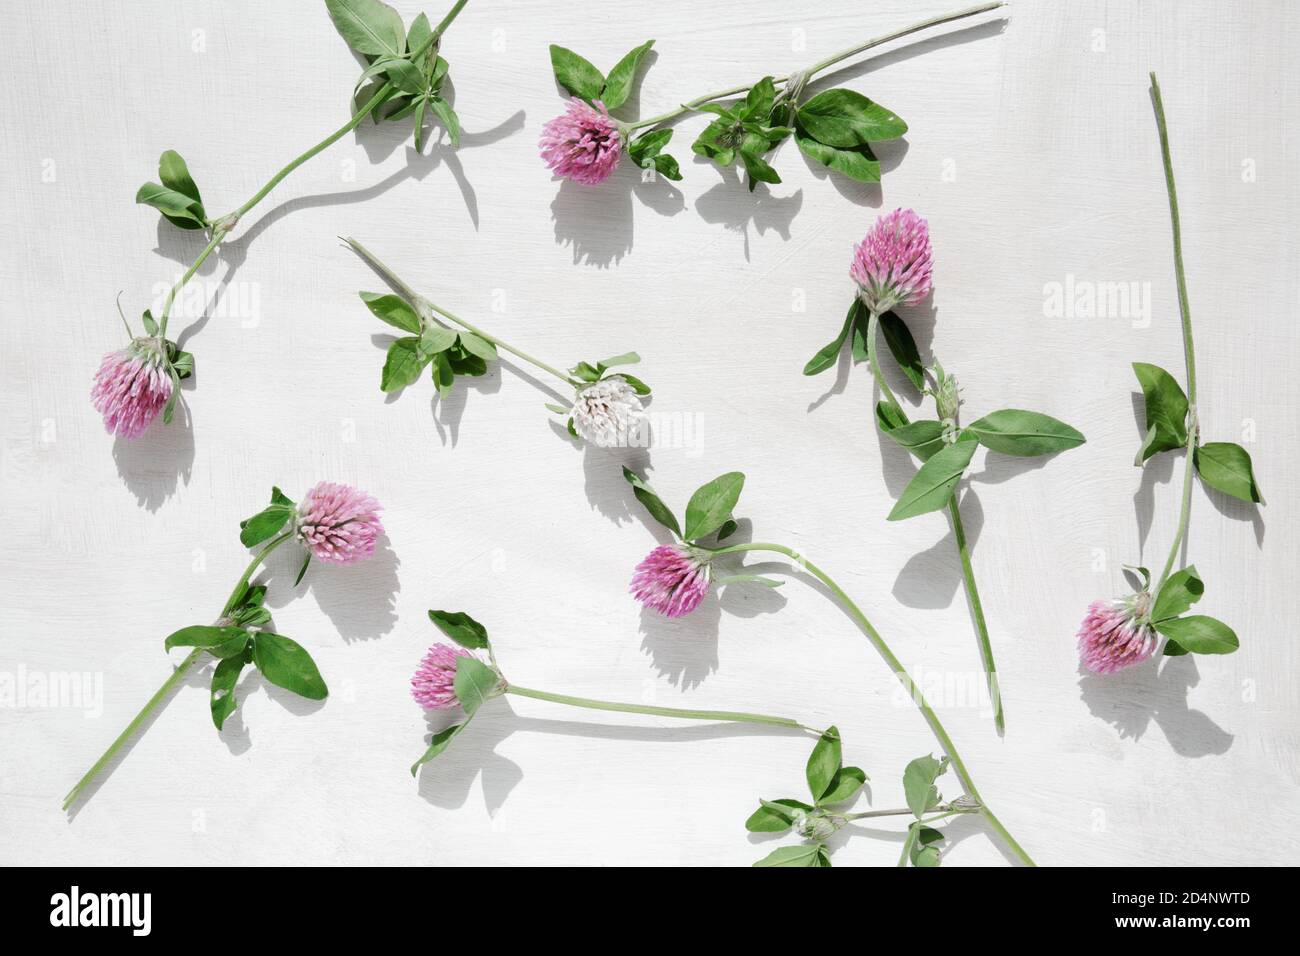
<point>421,304</point>
<point>820,65</point>
<point>963,551</point>
<point>168,685</point>
<point>224,224</point>
<point>977,612</point>
<point>904,678</point>
<point>217,235</point>
<point>873,323</point>
<point>943,809</point>
<point>1189,350</point>
<point>717,715</point>
<point>907,845</point>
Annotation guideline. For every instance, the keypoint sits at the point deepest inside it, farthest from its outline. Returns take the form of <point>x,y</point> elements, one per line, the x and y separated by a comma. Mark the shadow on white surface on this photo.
<point>359,599</point>
<point>608,491</point>
<point>199,676</point>
<point>1155,692</point>
<point>685,650</point>
<point>1234,509</point>
<point>930,578</point>
<point>154,465</point>
<point>731,205</point>
<point>234,733</point>
<point>595,222</point>
<point>446,781</point>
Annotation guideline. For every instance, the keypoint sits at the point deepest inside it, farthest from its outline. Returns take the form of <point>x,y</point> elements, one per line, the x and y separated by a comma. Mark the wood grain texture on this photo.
<point>1034,155</point>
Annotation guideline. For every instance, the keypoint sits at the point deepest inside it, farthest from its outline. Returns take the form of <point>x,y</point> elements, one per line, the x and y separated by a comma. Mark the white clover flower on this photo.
<point>608,413</point>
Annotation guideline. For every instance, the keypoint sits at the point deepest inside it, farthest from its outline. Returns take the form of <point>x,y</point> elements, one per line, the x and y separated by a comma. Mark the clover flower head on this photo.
<point>892,264</point>
<point>338,523</point>
<point>813,826</point>
<point>582,143</point>
<point>1117,634</point>
<point>673,580</point>
<point>608,413</point>
<point>132,387</point>
<point>434,684</point>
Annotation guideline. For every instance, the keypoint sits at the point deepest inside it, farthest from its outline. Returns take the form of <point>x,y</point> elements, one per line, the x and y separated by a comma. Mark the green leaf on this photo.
<point>285,663</point>
<point>175,175</point>
<point>901,345</point>
<point>440,742</point>
<point>435,339</point>
<point>464,362</point>
<point>857,162</point>
<point>828,353</point>
<point>1013,431</point>
<point>248,617</point>
<point>178,208</point>
<point>368,26</point>
<point>443,374</point>
<point>278,497</point>
<point>402,366</point>
<point>475,683</point>
<point>653,504</point>
<point>638,386</point>
<point>461,628</point>
<point>621,79</point>
<point>712,504</point>
<point>222,695</point>
<point>667,167</point>
<point>923,852</point>
<point>586,372</point>
<point>264,525</point>
<point>627,358</point>
<point>479,346</point>
<point>417,33</point>
<point>183,363</point>
<point>646,147</point>
<point>727,530</point>
<point>1225,467</point>
<point>406,76</point>
<point>759,100</point>
<point>805,854</point>
<point>575,74</point>
<point>1200,634</point>
<point>449,119</point>
<point>419,123</point>
<point>932,486</point>
<point>302,570</point>
<point>918,783</point>
<point>844,785</point>
<point>227,640</point>
<point>844,118</point>
<point>1180,592</point>
<point>924,439</point>
<point>773,816</point>
<point>392,309</point>
<point>823,763</point>
<point>889,416</point>
<point>757,170</point>
<point>1166,410</point>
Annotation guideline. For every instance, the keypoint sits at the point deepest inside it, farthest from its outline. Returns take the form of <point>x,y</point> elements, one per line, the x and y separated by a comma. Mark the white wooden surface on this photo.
<point>1034,155</point>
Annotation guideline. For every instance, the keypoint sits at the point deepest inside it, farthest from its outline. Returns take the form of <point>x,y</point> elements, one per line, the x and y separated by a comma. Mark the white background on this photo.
<point>1032,152</point>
